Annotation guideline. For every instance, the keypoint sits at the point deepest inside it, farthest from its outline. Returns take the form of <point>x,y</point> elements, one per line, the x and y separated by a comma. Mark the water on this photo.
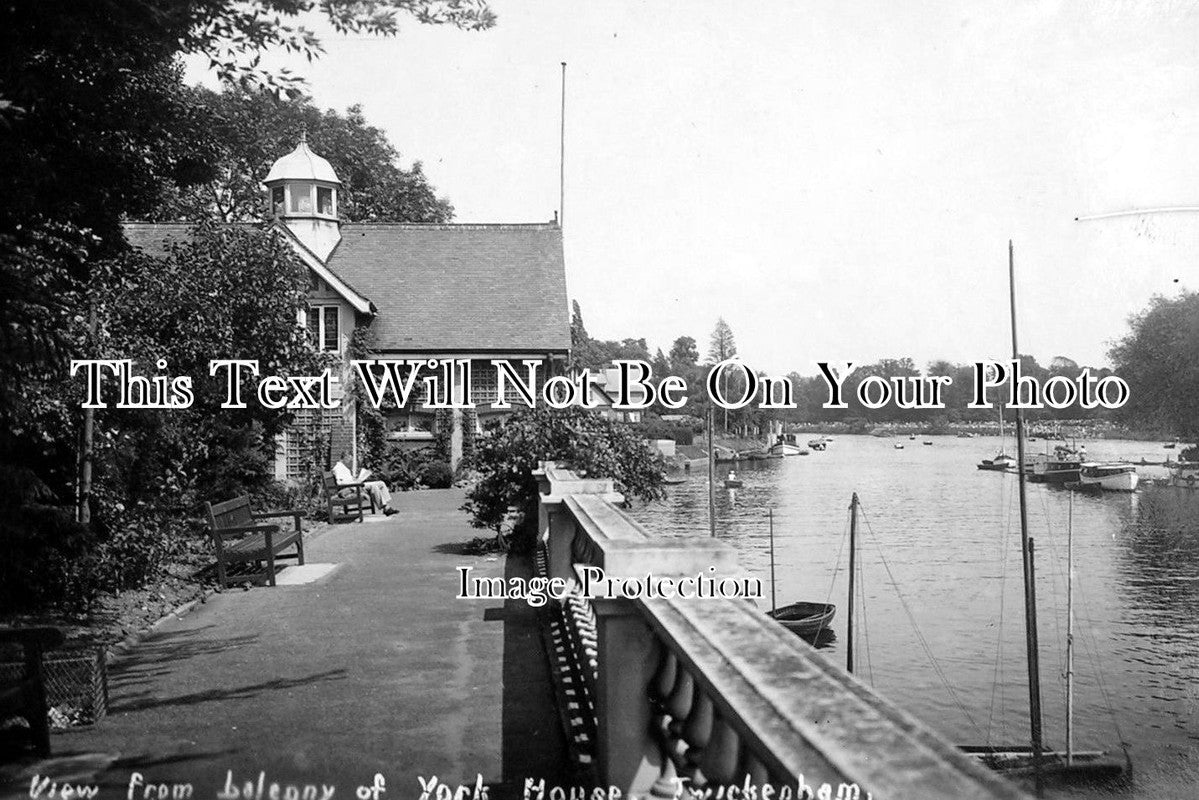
<point>940,630</point>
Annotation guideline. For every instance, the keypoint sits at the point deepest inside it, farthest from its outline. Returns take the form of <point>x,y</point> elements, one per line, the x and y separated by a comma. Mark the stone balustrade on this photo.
<point>711,692</point>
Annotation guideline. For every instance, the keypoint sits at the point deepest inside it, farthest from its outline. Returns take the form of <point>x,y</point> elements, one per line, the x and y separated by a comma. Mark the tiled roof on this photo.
<point>446,288</point>
<point>152,238</point>
<point>454,288</point>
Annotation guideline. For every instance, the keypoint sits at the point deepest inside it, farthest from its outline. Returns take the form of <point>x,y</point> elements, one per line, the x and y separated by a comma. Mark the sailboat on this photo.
<point>1002,462</point>
<point>1033,760</point>
<point>1070,765</point>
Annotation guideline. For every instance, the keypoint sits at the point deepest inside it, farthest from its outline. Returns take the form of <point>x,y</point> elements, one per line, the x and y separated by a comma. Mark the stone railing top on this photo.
<point>626,549</point>
<point>804,716</point>
<point>556,482</point>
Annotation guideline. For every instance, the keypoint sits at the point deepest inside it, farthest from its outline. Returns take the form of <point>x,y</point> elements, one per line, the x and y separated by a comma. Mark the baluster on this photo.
<point>660,690</point>
<point>696,731</point>
<point>718,762</point>
<point>663,682</point>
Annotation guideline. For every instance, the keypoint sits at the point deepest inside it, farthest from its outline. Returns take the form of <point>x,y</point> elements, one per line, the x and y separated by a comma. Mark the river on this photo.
<point>940,623</point>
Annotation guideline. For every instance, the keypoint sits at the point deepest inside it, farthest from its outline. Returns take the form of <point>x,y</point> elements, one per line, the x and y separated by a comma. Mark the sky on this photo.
<point>838,181</point>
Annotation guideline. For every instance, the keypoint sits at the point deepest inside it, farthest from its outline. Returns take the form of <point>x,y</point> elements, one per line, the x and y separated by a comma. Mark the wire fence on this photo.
<point>76,687</point>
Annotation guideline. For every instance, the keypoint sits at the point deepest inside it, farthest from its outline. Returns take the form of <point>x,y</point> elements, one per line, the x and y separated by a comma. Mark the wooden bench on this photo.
<point>26,696</point>
<point>241,538</point>
<point>352,504</point>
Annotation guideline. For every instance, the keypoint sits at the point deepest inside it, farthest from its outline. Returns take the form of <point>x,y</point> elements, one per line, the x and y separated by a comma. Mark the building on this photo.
<point>462,291</point>
<point>606,394</point>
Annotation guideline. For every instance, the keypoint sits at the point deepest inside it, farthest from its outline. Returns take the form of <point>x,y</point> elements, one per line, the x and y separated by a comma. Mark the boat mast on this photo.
<point>853,531</point>
<point>1030,589</point>
<point>1002,442</point>
<point>1070,635</point>
<point>773,603</point>
<point>711,478</point>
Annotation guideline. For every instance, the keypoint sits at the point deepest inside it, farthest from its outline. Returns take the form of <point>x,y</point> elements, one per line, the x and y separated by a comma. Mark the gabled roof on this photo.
<point>155,238</point>
<point>436,288</point>
<point>360,303</point>
<point>459,288</point>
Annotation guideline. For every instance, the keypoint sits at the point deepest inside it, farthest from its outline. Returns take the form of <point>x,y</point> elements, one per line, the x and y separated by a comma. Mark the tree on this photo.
<point>1157,360</point>
<point>722,346</point>
<point>684,355</point>
<point>162,310</point>
<point>95,121</point>
<point>251,129</point>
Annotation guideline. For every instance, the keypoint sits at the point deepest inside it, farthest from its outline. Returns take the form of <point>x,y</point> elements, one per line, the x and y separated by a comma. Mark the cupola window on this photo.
<point>324,200</point>
<point>277,201</point>
<point>301,198</point>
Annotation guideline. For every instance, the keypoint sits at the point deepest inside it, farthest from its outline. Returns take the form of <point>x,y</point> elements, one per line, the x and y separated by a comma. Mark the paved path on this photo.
<point>374,668</point>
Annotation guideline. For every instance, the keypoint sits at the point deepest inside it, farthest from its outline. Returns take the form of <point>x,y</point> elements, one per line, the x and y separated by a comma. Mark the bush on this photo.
<point>437,475</point>
<point>506,457</point>
<point>46,558</point>
<point>659,429</point>
<point>139,549</point>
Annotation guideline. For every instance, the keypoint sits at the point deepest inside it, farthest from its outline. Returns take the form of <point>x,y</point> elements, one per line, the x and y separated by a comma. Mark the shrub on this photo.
<point>437,475</point>
<point>660,429</point>
<point>46,558</point>
<point>505,496</point>
<point>137,550</point>
<point>401,468</point>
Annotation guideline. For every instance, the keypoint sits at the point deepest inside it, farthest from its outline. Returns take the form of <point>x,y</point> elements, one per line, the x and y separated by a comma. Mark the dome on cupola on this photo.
<point>302,164</point>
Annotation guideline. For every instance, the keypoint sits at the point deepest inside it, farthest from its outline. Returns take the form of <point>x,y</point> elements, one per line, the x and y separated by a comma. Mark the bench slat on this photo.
<point>253,547</point>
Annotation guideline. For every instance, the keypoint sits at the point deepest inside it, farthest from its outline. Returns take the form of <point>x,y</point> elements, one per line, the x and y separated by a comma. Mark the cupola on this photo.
<point>302,192</point>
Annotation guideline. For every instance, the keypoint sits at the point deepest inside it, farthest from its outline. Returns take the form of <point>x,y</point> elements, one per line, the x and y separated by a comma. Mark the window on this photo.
<point>277,201</point>
<point>323,328</point>
<point>324,200</point>
<point>301,198</point>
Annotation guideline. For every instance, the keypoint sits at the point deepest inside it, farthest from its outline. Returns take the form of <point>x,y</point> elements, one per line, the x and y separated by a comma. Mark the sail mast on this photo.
<point>853,531</point>
<point>1030,589</point>
<point>773,602</point>
<point>711,478</point>
<point>1070,635</point>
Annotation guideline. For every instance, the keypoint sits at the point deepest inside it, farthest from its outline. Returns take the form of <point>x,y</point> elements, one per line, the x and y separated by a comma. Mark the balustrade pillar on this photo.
<point>627,754</point>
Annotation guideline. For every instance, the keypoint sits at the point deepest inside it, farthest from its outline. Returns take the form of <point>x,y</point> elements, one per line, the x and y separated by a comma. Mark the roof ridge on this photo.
<point>491,226</point>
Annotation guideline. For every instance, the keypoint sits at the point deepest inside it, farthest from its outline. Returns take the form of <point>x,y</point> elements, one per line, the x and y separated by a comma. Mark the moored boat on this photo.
<point>1185,474</point>
<point>818,444</point>
<point>1002,462</point>
<point>1110,477</point>
<point>1057,767</point>
<point>1060,467</point>
<point>785,444</point>
<point>805,618</point>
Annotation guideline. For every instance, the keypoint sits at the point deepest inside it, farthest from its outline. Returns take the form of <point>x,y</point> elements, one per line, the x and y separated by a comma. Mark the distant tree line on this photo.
<point>1158,358</point>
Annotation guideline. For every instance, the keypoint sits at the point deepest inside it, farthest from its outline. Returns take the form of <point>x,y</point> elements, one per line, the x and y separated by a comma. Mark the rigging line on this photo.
<point>1055,574</point>
<point>865,629</point>
<point>837,563</point>
<point>997,673</point>
<point>916,628</point>
<point>1093,656</point>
